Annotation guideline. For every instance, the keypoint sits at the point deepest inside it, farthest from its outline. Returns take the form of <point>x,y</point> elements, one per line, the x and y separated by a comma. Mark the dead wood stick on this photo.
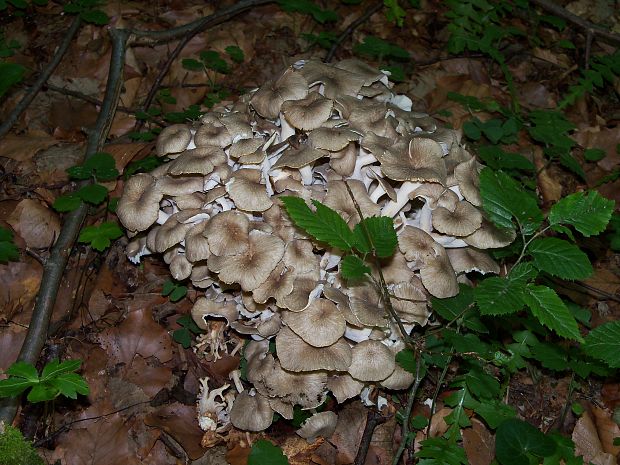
<point>6,126</point>
<point>57,262</point>
<point>188,33</point>
<point>373,419</point>
<point>590,28</point>
<point>349,30</point>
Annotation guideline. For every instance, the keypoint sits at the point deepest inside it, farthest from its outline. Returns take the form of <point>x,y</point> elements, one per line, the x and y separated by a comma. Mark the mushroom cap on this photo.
<point>463,221</point>
<point>344,386</point>
<point>467,176</point>
<point>398,380</point>
<point>421,162</point>
<point>336,81</point>
<point>138,207</point>
<point>308,113</point>
<point>321,424</point>
<point>412,308</point>
<point>200,160</point>
<point>173,139</point>
<point>320,324</point>
<point>417,244</point>
<point>297,355</point>
<point>227,233</point>
<point>332,139</point>
<point>204,307</point>
<point>438,276</point>
<point>269,98</point>
<point>251,413</point>
<point>252,267</point>
<point>212,134</point>
<point>466,259</point>
<point>489,236</point>
<point>246,191</point>
<point>371,361</point>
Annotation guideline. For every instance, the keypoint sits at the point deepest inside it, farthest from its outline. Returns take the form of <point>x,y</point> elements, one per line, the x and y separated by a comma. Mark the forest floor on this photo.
<point>112,315</point>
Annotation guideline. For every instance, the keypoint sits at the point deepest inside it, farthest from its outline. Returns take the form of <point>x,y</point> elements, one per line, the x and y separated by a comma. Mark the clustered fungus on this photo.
<point>214,214</point>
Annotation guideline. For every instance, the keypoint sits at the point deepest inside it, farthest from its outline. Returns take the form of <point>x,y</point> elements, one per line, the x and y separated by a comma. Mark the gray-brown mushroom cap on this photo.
<point>252,267</point>
<point>463,221</point>
<point>297,355</point>
<point>422,162</point>
<point>268,100</point>
<point>466,259</point>
<point>173,139</point>
<point>321,424</point>
<point>138,208</point>
<point>371,361</point>
<point>251,413</point>
<point>320,324</point>
<point>438,276</point>
<point>308,113</point>
<point>227,233</point>
<point>489,236</point>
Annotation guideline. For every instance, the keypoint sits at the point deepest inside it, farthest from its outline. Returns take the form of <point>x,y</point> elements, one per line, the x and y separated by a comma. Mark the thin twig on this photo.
<point>86,98</point>
<point>349,30</point>
<point>43,77</point>
<point>56,264</point>
<point>412,393</point>
<point>597,31</point>
<point>188,34</point>
<point>373,419</point>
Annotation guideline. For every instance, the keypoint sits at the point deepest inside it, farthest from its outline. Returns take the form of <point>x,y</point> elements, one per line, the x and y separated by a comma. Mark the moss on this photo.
<point>15,449</point>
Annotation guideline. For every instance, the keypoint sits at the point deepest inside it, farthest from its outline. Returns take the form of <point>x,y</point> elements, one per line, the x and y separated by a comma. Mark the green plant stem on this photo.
<point>6,126</point>
<point>349,30</point>
<point>528,242</point>
<point>444,372</point>
<point>57,262</point>
<point>409,408</point>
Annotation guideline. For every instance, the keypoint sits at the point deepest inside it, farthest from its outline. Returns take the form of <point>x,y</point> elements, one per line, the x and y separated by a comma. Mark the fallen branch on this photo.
<point>42,79</point>
<point>57,262</point>
<point>591,29</point>
<point>373,419</point>
<point>349,30</point>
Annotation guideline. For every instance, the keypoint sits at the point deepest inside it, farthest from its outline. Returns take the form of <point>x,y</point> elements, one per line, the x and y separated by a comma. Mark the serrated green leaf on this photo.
<point>100,236</point>
<point>92,193</point>
<point>67,203</point>
<point>12,387</point>
<point>382,236</point>
<point>516,439</point>
<point>23,370</point>
<point>603,343</point>
<point>560,258</point>
<point>452,307</point>
<point>352,267</point>
<point>493,412</point>
<point>503,199</point>
<point>482,384</point>
<point>589,213</point>
<point>265,453</point>
<point>549,309</point>
<point>567,160</point>
<point>441,451</point>
<point>55,368</point>
<point>326,225</point>
<point>501,296</point>
<point>42,393</point>
<point>235,53</point>
<point>550,356</point>
<point>70,385</point>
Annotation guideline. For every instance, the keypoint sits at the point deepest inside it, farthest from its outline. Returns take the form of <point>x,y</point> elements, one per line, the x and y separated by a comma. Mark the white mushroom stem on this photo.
<point>306,175</point>
<point>225,204</point>
<point>449,242</point>
<point>364,158</point>
<point>402,198</point>
<point>162,216</point>
<point>287,130</point>
<point>329,261</point>
<point>357,335</point>
<point>426,218</point>
<point>235,377</point>
<point>191,144</point>
<point>457,191</point>
<point>377,193</point>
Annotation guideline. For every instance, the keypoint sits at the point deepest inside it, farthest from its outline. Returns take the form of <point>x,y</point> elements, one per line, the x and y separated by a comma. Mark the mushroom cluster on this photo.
<point>214,214</point>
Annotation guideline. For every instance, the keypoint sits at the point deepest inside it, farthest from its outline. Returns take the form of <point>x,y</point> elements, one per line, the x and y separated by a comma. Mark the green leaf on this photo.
<point>594,155</point>
<point>500,296</point>
<point>441,451</point>
<point>352,267</point>
<point>235,53</point>
<point>92,193</point>
<point>24,370</point>
<point>186,321</point>
<point>496,158</point>
<point>394,12</point>
<point>494,412</point>
<point>515,440</point>
<point>55,368</point>
<point>42,393</point>
<point>10,74</point>
<point>549,309</point>
<point>265,453</point>
<point>67,203</point>
<point>397,73</point>
<point>379,48</point>
<point>192,64</point>
<point>12,387</point>
<point>213,60</point>
<point>70,385</point>
<point>550,356</point>
<point>183,336</point>
<point>97,17</point>
<point>603,343</point>
<point>8,250</point>
<point>551,127</point>
<point>567,160</point>
<point>382,236</point>
<point>326,225</point>
<point>178,293</point>
<point>503,199</point>
<point>589,213</point>
<point>560,258</point>
<point>100,237</point>
<point>482,384</point>
<point>452,307</point>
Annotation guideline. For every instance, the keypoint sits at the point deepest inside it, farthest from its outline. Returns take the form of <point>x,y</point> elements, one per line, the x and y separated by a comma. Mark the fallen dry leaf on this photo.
<point>37,224</point>
<point>607,429</point>
<point>588,443</point>
<point>19,284</point>
<point>179,421</point>
<point>479,443</point>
